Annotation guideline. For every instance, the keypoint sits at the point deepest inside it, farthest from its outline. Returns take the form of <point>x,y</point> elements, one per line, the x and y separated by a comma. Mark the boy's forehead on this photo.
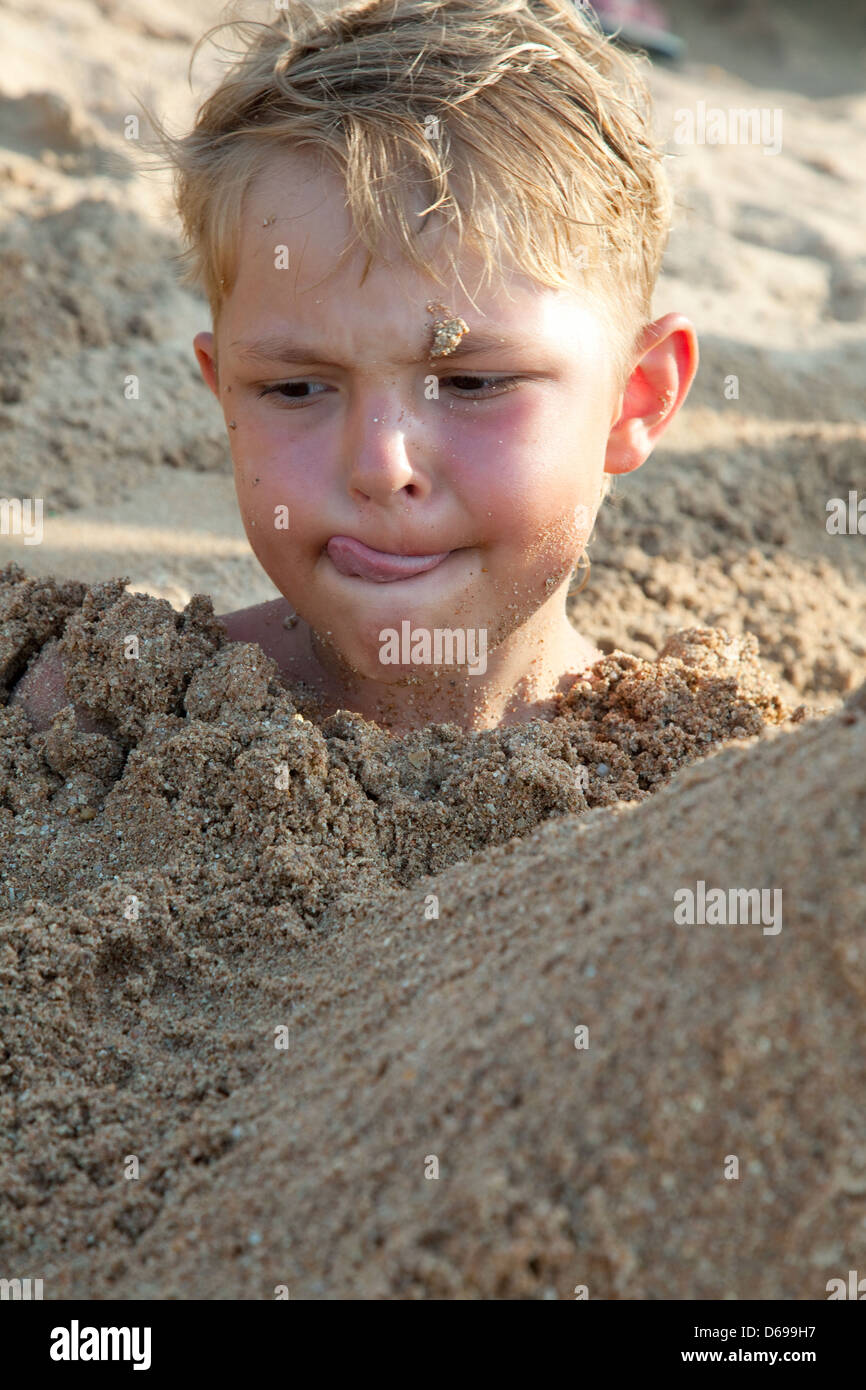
<point>302,206</point>
<point>299,206</point>
<point>297,264</point>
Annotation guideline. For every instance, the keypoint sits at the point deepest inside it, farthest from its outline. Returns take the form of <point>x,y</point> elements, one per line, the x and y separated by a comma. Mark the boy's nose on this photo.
<point>381,460</point>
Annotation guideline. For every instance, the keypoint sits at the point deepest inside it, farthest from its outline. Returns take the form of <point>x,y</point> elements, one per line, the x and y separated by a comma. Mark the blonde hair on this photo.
<point>542,155</point>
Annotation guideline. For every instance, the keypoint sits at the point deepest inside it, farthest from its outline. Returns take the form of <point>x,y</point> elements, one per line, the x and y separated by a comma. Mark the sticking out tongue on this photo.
<point>353,557</point>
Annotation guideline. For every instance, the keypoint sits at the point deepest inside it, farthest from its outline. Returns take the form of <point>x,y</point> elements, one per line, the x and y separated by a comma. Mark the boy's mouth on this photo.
<point>354,558</point>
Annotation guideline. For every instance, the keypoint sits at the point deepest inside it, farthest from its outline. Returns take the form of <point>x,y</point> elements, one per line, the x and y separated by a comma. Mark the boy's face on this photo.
<point>493,460</point>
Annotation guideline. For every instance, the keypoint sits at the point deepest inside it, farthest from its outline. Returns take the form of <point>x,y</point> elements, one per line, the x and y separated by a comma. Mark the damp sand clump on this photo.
<point>208,766</point>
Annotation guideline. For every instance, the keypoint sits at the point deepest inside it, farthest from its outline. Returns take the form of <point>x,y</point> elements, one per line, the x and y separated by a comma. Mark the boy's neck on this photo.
<point>523,679</point>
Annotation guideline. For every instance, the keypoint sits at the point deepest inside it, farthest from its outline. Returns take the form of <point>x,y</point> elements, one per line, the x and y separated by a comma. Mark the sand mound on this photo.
<point>204,756</point>
<point>241,948</point>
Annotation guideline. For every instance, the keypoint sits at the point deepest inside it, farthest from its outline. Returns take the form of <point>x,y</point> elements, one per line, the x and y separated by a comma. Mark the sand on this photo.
<point>287,968</point>
<point>429,918</point>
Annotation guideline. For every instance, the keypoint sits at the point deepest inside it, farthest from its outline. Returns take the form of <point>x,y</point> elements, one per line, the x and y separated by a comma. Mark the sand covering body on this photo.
<point>306,907</point>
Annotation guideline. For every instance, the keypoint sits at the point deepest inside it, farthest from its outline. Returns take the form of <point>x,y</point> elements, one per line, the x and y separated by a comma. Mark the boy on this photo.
<point>429,232</point>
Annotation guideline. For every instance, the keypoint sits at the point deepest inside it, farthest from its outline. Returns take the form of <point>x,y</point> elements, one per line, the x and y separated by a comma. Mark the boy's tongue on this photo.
<point>354,558</point>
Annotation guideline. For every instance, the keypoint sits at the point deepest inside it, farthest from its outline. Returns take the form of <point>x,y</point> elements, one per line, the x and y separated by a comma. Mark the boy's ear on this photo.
<point>659,383</point>
<point>203,347</point>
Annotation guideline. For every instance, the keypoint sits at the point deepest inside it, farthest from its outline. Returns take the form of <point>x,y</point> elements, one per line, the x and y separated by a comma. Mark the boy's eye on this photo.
<point>465,384</point>
<point>293,389</point>
<point>469,387</point>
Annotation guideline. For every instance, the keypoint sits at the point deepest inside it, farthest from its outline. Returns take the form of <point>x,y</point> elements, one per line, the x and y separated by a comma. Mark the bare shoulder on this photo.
<point>273,626</point>
<point>41,692</point>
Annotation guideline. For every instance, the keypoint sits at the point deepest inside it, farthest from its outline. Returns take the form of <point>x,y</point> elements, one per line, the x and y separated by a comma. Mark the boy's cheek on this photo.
<point>533,533</point>
<point>275,498</point>
<point>281,544</point>
<point>277,528</point>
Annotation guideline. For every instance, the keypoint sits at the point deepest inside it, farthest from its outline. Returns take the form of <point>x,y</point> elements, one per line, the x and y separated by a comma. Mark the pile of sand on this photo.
<point>206,762</point>
<point>281,966</point>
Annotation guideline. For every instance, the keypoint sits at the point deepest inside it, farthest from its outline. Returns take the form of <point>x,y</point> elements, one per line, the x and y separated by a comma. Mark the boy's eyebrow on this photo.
<point>280,348</point>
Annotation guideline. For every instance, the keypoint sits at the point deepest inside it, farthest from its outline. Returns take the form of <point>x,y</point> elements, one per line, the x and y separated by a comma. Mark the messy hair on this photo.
<point>541,154</point>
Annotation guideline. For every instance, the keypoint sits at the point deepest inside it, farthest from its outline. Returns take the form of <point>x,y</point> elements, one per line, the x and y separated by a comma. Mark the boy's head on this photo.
<point>359,164</point>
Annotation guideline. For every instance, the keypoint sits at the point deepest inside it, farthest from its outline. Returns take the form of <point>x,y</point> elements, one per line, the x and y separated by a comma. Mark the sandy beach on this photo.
<point>284,999</point>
